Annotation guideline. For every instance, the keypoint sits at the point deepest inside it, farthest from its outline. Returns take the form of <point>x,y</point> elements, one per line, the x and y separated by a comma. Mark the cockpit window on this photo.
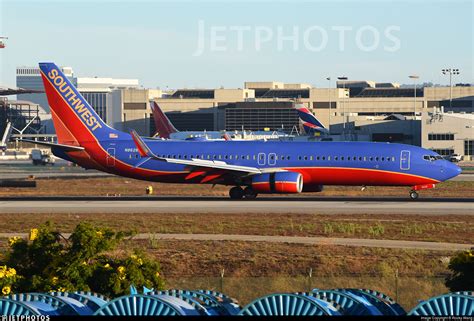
<point>426,157</point>
<point>432,158</point>
<point>439,157</point>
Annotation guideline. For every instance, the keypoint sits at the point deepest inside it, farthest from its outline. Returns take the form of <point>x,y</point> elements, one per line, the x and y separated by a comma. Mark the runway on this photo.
<point>222,205</point>
<point>392,244</point>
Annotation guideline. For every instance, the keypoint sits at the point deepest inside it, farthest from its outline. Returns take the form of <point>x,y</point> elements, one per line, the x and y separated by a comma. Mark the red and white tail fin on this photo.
<point>164,128</point>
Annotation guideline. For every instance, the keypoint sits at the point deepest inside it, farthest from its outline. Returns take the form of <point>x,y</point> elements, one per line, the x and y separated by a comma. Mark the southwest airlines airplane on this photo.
<point>250,167</point>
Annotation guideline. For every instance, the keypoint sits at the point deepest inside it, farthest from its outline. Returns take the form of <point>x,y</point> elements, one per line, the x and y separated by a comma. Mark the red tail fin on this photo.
<point>164,128</point>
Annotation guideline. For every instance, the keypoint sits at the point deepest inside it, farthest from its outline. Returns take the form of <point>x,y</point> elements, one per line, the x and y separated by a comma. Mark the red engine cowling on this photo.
<point>281,182</point>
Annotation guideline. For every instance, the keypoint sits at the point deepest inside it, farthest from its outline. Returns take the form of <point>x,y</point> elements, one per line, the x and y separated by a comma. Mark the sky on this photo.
<point>208,44</point>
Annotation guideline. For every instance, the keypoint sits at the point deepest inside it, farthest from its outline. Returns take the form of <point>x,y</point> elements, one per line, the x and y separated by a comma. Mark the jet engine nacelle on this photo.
<point>281,182</point>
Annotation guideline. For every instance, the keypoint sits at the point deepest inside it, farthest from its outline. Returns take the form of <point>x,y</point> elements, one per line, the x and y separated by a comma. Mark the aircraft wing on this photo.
<point>66,148</point>
<point>145,151</point>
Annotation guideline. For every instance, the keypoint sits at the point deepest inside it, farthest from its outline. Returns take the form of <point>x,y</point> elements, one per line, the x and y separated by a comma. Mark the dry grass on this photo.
<point>125,186</point>
<point>443,228</point>
<point>255,269</point>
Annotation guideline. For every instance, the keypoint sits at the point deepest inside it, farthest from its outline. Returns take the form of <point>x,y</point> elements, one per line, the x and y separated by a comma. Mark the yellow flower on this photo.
<point>55,279</point>
<point>121,269</point>
<point>84,263</point>
<point>10,272</point>
<point>33,234</point>
<point>140,261</point>
<point>99,233</point>
<point>2,274</point>
<point>157,274</point>
<point>133,257</point>
<point>6,290</point>
<point>107,266</point>
<point>122,277</point>
<point>60,289</point>
<point>13,240</point>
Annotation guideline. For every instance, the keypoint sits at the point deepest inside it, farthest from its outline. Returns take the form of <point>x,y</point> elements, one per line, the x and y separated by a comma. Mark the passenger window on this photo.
<point>306,158</point>
<point>335,158</point>
<point>360,158</point>
<point>383,158</point>
<point>371,158</point>
<point>377,159</point>
<point>342,158</point>
<point>248,156</point>
<point>311,158</point>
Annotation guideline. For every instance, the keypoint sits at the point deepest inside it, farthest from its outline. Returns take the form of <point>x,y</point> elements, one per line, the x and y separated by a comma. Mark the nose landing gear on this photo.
<point>414,190</point>
<point>414,195</point>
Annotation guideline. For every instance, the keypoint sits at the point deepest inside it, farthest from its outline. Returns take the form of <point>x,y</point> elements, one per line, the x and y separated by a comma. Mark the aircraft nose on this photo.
<point>452,170</point>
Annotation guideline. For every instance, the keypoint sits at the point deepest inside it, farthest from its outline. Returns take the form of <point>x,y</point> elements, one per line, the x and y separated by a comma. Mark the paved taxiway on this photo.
<point>300,205</point>
<point>392,244</point>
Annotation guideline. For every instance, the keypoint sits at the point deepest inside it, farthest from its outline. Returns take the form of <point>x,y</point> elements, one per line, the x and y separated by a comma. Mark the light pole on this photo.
<point>329,98</point>
<point>344,79</point>
<point>414,77</point>
<point>451,72</point>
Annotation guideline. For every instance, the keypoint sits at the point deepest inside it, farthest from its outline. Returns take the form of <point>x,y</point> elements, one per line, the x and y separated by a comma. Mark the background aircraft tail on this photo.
<point>164,127</point>
<point>310,123</point>
<point>6,136</point>
<point>75,121</point>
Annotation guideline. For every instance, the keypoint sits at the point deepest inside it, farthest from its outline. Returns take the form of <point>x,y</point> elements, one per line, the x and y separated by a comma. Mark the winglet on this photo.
<point>143,149</point>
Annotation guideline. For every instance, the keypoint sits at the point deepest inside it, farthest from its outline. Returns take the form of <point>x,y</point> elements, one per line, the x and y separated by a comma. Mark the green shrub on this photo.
<point>49,262</point>
<point>462,271</point>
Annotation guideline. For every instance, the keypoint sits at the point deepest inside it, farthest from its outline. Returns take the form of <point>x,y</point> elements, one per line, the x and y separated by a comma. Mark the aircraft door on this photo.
<point>110,157</point>
<point>405,160</point>
<point>261,159</point>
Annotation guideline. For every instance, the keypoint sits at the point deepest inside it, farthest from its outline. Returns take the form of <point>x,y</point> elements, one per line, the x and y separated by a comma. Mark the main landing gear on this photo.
<point>237,193</point>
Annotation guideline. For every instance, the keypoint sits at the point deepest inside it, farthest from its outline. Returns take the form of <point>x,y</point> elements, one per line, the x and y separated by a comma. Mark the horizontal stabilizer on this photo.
<point>66,148</point>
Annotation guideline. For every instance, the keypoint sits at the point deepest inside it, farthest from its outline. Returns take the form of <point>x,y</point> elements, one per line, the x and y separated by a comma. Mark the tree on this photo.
<point>49,262</point>
<point>462,272</point>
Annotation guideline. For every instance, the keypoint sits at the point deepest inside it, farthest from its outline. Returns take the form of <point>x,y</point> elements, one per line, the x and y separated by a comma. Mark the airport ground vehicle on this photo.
<point>42,157</point>
<point>455,158</point>
<point>251,167</point>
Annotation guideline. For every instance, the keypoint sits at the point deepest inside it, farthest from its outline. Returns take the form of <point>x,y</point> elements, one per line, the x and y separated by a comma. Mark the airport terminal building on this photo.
<point>438,118</point>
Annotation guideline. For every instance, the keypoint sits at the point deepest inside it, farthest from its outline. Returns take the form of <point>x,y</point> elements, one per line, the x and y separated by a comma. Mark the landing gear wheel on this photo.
<point>249,193</point>
<point>413,195</point>
<point>236,193</point>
